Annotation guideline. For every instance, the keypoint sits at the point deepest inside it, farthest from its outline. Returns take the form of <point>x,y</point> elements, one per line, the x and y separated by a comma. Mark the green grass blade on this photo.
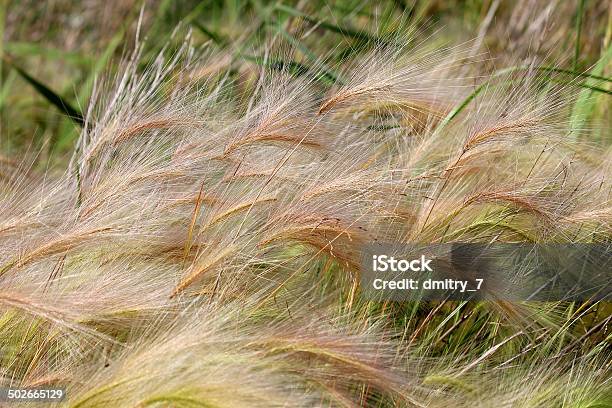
<point>216,38</point>
<point>591,87</point>
<point>585,104</point>
<point>457,110</point>
<point>335,77</point>
<point>293,67</point>
<point>346,31</point>
<point>574,73</point>
<point>453,113</point>
<point>51,96</point>
<point>195,13</point>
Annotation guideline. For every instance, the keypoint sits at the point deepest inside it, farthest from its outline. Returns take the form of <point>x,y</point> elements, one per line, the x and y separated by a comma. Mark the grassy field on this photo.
<point>187,188</point>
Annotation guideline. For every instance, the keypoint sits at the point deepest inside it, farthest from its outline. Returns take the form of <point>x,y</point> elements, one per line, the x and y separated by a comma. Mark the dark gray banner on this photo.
<point>22,395</point>
<point>513,272</point>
